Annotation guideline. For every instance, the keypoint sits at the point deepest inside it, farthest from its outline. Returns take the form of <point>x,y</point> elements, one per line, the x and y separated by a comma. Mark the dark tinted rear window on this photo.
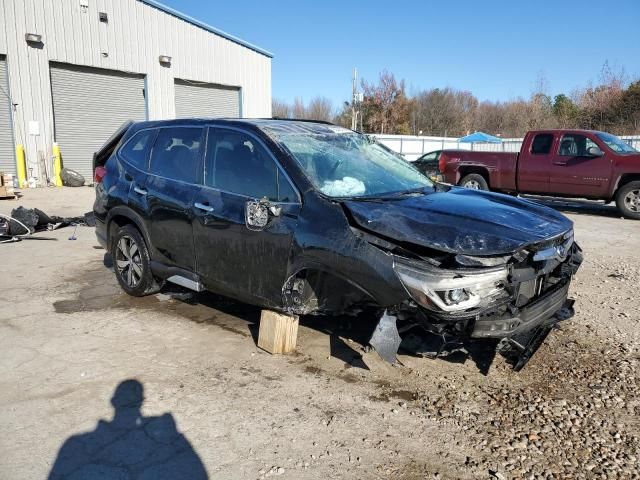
<point>542,144</point>
<point>136,150</point>
<point>176,153</point>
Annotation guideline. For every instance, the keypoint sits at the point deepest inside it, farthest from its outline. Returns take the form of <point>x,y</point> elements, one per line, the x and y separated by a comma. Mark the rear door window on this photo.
<point>136,150</point>
<point>176,153</point>
<point>237,163</point>
<point>542,144</point>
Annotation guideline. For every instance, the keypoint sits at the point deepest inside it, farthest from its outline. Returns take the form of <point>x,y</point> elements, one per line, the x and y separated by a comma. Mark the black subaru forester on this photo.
<point>311,218</point>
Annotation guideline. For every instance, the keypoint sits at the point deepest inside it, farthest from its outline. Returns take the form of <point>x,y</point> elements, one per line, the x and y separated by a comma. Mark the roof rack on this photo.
<point>297,120</point>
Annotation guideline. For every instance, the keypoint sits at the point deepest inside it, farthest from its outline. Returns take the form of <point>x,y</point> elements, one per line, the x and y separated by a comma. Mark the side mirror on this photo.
<point>594,152</point>
<point>256,213</point>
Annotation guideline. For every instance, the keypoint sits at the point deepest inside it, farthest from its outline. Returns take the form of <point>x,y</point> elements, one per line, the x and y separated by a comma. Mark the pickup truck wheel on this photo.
<point>474,181</point>
<point>628,200</point>
<point>132,264</point>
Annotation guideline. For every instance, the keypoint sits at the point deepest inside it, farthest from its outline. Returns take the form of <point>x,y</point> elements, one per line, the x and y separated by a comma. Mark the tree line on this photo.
<point>612,104</point>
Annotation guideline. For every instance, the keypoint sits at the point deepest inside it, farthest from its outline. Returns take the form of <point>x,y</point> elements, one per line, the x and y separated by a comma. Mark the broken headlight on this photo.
<point>450,290</point>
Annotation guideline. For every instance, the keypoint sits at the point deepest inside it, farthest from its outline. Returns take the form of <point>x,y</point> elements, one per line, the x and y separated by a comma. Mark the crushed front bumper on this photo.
<point>519,334</point>
<point>517,327</point>
<point>539,313</point>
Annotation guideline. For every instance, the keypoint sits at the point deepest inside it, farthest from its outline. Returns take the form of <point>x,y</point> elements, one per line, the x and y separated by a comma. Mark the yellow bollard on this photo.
<point>21,166</point>
<point>57,165</point>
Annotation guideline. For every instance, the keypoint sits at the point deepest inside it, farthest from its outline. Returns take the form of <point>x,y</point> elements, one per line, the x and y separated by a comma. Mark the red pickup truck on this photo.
<point>565,163</point>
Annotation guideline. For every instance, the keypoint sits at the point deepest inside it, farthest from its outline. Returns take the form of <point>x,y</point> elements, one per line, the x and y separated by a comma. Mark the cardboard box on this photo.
<point>6,185</point>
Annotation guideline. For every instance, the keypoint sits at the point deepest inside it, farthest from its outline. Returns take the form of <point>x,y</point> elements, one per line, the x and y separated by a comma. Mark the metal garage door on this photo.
<point>89,104</point>
<point>7,157</point>
<point>206,100</point>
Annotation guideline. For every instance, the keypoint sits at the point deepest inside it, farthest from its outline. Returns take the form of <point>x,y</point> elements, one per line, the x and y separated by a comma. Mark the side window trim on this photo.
<point>201,152</point>
<point>148,159</point>
<point>279,170</point>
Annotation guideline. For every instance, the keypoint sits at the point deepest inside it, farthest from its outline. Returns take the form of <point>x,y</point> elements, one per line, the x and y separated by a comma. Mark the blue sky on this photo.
<point>495,49</point>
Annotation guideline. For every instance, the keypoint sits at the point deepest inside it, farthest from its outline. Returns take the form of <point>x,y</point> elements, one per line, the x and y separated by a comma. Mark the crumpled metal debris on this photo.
<point>30,220</point>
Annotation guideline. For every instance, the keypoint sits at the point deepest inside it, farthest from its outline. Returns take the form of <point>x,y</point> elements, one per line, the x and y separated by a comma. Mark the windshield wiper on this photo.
<point>386,197</point>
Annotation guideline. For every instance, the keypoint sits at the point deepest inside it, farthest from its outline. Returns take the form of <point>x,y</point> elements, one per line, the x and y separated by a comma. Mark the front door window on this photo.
<point>575,145</point>
<point>237,163</point>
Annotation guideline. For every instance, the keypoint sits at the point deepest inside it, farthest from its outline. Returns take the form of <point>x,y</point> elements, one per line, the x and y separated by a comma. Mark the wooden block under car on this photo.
<point>6,192</point>
<point>278,332</point>
<point>6,185</point>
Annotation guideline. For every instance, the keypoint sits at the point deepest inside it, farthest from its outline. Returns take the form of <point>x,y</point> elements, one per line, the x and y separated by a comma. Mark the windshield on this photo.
<point>341,163</point>
<point>615,143</point>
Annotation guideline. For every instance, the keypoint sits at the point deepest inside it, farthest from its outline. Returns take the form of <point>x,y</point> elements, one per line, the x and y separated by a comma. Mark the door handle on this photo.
<point>202,206</point>
<point>140,191</point>
<point>560,164</point>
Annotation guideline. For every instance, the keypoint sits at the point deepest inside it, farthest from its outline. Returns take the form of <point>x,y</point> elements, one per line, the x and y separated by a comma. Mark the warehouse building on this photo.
<point>72,71</point>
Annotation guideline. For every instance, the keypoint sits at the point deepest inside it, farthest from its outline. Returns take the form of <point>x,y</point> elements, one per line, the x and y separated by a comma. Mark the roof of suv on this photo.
<point>277,124</point>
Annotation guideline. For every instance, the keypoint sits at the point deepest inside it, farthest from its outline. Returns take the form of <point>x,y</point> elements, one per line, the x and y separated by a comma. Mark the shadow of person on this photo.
<point>129,447</point>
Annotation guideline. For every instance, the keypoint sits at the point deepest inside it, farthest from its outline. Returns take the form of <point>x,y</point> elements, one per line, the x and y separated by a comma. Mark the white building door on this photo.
<point>7,151</point>
<point>89,104</point>
<point>196,99</point>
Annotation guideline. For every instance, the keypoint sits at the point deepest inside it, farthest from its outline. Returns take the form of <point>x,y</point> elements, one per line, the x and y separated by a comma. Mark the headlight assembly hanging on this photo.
<point>450,290</point>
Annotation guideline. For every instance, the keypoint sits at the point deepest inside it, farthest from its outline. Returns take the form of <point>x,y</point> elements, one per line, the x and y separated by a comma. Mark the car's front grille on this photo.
<point>542,270</point>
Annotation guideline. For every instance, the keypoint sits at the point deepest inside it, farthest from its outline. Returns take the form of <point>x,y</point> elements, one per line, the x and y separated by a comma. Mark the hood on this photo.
<point>460,220</point>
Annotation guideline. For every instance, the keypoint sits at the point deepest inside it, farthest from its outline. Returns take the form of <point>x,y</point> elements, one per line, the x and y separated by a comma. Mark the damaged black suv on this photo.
<point>311,218</point>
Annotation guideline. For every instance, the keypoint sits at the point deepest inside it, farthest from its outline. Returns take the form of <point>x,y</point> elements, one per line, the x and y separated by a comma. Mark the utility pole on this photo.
<point>354,118</point>
<point>356,102</point>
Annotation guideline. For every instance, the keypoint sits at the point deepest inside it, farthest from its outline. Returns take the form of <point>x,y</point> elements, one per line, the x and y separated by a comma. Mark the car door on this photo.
<point>233,258</point>
<point>534,164</point>
<point>176,159</point>
<point>428,164</point>
<point>574,172</point>
<point>135,155</point>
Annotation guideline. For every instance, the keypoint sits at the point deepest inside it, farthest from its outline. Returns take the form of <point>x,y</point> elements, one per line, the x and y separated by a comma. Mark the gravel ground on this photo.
<point>68,337</point>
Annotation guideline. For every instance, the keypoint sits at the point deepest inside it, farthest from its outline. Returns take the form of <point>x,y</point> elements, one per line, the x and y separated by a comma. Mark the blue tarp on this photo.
<point>480,137</point>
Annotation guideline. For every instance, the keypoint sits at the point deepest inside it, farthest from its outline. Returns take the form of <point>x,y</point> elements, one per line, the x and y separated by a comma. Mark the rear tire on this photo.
<point>628,200</point>
<point>132,264</point>
<point>474,181</point>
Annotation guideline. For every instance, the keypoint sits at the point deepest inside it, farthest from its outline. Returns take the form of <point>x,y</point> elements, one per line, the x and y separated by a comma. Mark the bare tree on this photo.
<point>385,107</point>
<point>489,117</point>
<point>443,111</point>
<point>343,116</point>
<point>280,108</point>
<point>298,109</point>
<point>319,108</point>
<point>598,104</point>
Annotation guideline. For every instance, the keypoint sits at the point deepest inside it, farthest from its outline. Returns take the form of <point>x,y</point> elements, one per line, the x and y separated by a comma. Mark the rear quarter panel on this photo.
<point>626,168</point>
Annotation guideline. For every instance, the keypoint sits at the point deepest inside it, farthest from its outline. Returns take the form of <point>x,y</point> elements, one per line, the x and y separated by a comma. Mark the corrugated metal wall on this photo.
<point>208,100</point>
<point>7,157</point>
<point>135,35</point>
<point>89,104</point>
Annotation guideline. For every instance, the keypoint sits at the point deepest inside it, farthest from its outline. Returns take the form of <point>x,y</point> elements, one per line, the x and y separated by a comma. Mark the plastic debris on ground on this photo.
<point>25,221</point>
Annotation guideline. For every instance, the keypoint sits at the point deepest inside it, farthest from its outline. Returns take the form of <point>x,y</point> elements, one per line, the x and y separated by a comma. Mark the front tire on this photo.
<point>131,262</point>
<point>474,181</point>
<point>628,200</point>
